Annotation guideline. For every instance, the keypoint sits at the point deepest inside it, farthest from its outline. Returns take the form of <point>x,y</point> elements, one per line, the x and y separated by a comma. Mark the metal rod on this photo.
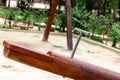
<point>76,45</point>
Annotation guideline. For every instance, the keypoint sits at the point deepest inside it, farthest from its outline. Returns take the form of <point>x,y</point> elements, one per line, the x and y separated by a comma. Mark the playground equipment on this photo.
<point>69,22</point>
<point>58,64</point>
<point>23,26</point>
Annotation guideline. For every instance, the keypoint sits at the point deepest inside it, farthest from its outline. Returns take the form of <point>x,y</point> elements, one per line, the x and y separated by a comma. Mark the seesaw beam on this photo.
<point>61,65</point>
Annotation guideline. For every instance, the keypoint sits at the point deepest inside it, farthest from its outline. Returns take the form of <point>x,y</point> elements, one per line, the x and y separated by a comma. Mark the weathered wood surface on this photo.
<point>23,26</point>
<point>69,24</point>
<point>50,20</point>
<point>61,65</point>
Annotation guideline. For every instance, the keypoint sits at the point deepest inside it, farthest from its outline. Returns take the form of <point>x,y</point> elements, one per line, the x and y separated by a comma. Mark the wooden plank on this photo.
<point>58,64</point>
<point>25,51</point>
<point>23,26</point>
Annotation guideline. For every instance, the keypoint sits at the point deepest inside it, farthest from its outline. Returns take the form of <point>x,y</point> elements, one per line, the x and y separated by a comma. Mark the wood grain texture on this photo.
<point>23,26</point>
<point>58,64</point>
<point>50,20</point>
<point>69,25</point>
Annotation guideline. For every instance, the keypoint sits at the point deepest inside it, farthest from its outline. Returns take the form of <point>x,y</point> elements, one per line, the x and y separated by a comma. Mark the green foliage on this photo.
<point>115,34</point>
<point>57,21</point>
<point>4,26</point>
<point>7,13</point>
<point>39,15</point>
<point>99,23</point>
<point>60,18</point>
<point>2,12</point>
<point>113,4</point>
<point>80,17</point>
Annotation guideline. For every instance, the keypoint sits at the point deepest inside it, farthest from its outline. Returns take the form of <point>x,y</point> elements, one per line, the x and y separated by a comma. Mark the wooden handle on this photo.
<point>58,64</point>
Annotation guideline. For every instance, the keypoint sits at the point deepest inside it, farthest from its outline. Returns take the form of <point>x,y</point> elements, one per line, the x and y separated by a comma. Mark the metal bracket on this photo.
<point>76,45</point>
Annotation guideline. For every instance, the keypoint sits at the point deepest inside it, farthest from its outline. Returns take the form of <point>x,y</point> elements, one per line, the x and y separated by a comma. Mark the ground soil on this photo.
<point>87,51</point>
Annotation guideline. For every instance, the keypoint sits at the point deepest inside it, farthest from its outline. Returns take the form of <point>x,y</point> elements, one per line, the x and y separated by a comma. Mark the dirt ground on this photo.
<point>87,51</point>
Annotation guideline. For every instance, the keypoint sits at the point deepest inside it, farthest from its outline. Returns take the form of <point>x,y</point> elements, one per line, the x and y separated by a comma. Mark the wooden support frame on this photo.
<point>69,25</point>
<point>50,20</point>
<point>58,64</point>
<point>69,22</point>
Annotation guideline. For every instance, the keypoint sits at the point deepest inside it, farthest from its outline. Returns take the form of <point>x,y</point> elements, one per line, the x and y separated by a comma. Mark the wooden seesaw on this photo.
<point>23,26</point>
<point>58,64</point>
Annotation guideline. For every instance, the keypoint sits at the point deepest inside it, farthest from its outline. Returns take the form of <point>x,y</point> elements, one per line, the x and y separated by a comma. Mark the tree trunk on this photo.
<point>114,43</point>
<point>104,6</point>
<point>9,3</point>
<point>119,9</point>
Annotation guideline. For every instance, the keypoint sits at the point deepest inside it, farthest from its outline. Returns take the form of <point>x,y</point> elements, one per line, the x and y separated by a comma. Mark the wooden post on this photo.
<point>69,22</point>
<point>58,64</point>
<point>69,25</point>
<point>50,20</point>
